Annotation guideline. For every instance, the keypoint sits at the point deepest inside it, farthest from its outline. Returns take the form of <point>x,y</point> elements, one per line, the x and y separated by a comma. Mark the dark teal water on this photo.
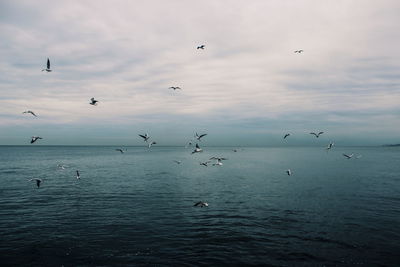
<point>137,208</point>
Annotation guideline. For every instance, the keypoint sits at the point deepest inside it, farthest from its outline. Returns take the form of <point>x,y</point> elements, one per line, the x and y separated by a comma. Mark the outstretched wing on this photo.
<point>48,63</point>
<point>202,135</point>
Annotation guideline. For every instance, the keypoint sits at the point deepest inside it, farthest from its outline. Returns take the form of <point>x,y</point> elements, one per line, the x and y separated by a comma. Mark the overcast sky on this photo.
<point>247,87</point>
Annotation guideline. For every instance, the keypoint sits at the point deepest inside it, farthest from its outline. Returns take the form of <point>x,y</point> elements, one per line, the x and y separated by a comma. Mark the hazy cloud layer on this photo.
<point>247,87</point>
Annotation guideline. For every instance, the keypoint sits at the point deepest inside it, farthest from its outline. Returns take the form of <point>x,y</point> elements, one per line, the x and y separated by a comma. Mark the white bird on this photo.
<point>200,204</point>
<point>38,181</point>
<point>35,138</point>
<point>145,137</point>
<point>48,66</point>
<point>289,172</point>
<point>177,161</point>
<point>299,51</point>
<point>205,163</point>
<point>317,134</point>
<point>219,161</point>
<point>348,156</point>
<point>120,150</point>
<point>330,146</point>
<point>78,176</point>
<point>197,149</point>
<point>29,111</point>
<point>201,47</point>
<point>151,143</point>
<point>61,166</point>
<point>198,137</point>
<point>286,135</point>
<point>175,88</point>
<point>93,102</point>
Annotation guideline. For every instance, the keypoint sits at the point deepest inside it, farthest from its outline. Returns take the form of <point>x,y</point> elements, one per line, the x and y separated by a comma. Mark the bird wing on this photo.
<point>313,134</point>
<point>144,137</point>
<point>202,135</point>
<point>320,133</point>
<point>197,204</point>
<point>48,63</point>
<point>197,146</point>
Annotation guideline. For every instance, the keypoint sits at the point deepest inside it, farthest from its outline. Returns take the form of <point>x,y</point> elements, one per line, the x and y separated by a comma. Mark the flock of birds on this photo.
<point>197,139</point>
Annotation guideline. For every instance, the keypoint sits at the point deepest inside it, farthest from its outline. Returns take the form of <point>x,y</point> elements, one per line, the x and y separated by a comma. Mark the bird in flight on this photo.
<point>35,138</point>
<point>48,66</point>
<point>330,146</point>
<point>175,88</point>
<point>317,134</point>
<point>145,137</point>
<point>177,161</point>
<point>299,51</point>
<point>151,143</point>
<point>286,135</point>
<point>197,149</point>
<point>120,150</point>
<point>348,156</point>
<point>219,161</point>
<point>200,204</point>
<point>93,102</point>
<point>205,163</point>
<point>289,172</point>
<point>38,181</point>
<point>201,47</point>
<point>78,176</point>
<point>198,137</point>
<point>29,111</point>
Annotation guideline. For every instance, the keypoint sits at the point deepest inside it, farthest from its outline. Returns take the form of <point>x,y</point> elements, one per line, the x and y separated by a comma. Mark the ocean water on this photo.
<point>137,208</point>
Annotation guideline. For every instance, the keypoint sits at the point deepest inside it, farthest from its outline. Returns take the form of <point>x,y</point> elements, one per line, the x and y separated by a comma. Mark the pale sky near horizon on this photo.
<point>247,87</point>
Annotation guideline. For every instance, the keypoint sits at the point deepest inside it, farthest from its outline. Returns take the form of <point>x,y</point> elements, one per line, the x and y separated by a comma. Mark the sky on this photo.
<point>246,88</point>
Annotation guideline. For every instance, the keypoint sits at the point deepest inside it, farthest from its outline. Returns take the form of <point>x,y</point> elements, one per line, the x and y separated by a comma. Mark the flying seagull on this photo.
<point>289,172</point>
<point>175,88</point>
<point>48,66</point>
<point>120,150</point>
<point>197,149</point>
<point>299,51</point>
<point>151,143</point>
<point>198,137</point>
<point>201,204</point>
<point>219,161</point>
<point>201,47</point>
<point>78,176</point>
<point>177,161</point>
<point>38,181</point>
<point>205,163</point>
<point>331,144</point>
<point>29,111</point>
<point>286,135</point>
<point>317,135</point>
<point>93,102</point>
<point>348,156</point>
<point>35,138</point>
<point>145,137</point>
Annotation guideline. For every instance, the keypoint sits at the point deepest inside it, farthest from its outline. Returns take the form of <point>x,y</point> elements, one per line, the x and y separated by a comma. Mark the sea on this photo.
<point>137,208</point>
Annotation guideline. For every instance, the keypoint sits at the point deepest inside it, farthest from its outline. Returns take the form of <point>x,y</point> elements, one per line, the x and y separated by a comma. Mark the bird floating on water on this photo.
<point>219,161</point>
<point>201,47</point>
<point>348,156</point>
<point>198,137</point>
<point>29,111</point>
<point>175,88</point>
<point>200,204</point>
<point>38,181</point>
<point>286,135</point>
<point>48,66</point>
<point>93,102</point>
<point>289,172</point>
<point>299,51</point>
<point>197,149</point>
<point>78,176</point>
<point>35,138</point>
<point>145,137</point>
<point>317,134</point>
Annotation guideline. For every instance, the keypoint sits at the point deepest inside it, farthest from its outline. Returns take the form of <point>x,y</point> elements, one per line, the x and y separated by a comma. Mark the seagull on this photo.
<point>219,161</point>
<point>286,135</point>
<point>175,88</point>
<point>177,161</point>
<point>198,137</point>
<point>197,149</point>
<point>299,51</point>
<point>35,138</point>
<point>120,150</point>
<point>205,163</point>
<point>29,111</point>
<point>348,156</point>
<point>78,176</point>
<point>289,172</point>
<point>151,143</point>
<point>201,204</point>
<point>48,66</point>
<point>331,144</point>
<point>38,181</point>
<point>201,47</point>
<point>146,136</point>
<point>93,102</point>
<point>317,135</point>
